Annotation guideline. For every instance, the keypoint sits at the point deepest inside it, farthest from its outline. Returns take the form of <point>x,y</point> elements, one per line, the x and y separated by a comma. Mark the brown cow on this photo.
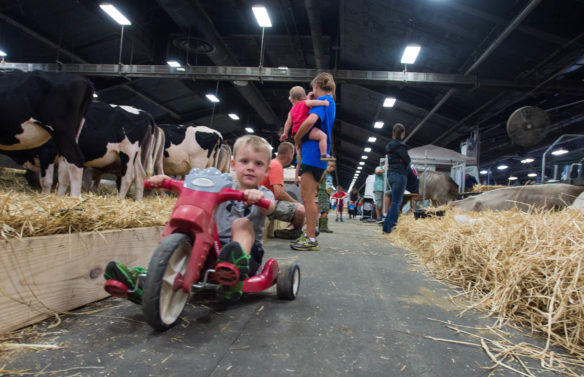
<point>439,188</point>
<point>547,196</point>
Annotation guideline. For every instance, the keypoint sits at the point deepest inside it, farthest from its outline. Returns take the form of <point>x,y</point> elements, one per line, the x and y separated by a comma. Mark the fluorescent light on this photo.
<point>559,152</point>
<point>378,125</point>
<point>212,98</point>
<point>249,129</point>
<point>532,175</point>
<point>483,172</point>
<point>180,69</point>
<point>114,13</point>
<point>410,54</point>
<point>173,63</point>
<point>233,116</point>
<point>2,53</point>
<point>527,160</point>
<point>512,178</point>
<point>262,16</point>
<point>372,139</point>
<point>367,149</point>
<point>363,157</point>
<point>283,67</point>
<point>389,102</point>
<point>502,167</point>
<point>359,167</point>
<point>362,163</point>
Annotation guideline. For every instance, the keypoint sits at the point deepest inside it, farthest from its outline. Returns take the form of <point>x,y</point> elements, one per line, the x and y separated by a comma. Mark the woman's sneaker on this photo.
<point>233,253</point>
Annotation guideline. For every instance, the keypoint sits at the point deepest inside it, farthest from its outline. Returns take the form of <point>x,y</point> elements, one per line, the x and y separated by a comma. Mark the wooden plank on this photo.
<point>40,276</point>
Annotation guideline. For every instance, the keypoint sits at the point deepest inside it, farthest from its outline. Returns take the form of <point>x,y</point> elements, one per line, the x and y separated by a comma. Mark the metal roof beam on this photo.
<point>223,73</point>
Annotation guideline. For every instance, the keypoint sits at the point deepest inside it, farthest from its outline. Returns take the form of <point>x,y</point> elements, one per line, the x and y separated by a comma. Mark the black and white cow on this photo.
<point>187,147</point>
<point>38,106</point>
<point>119,140</point>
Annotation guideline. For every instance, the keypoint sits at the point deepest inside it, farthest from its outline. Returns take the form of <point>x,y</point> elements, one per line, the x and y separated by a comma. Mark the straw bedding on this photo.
<point>483,188</point>
<point>523,267</point>
<point>26,213</point>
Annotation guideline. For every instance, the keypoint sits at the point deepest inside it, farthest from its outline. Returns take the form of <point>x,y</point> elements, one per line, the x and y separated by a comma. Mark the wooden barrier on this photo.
<point>40,276</point>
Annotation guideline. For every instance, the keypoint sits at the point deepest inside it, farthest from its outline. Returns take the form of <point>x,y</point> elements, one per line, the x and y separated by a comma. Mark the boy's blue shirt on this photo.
<point>326,115</point>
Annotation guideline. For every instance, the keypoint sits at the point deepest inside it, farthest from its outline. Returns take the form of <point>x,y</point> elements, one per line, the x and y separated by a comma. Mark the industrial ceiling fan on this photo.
<point>527,126</point>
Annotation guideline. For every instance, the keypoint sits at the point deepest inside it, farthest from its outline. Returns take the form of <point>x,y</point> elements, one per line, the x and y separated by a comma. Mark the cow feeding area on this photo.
<point>29,214</point>
<point>523,267</point>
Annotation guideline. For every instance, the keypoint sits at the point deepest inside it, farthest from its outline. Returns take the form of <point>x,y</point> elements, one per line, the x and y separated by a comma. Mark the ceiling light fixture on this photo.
<point>502,167</point>
<point>532,175</point>
<point>410,54</point>
<point>95,95</point>
<point>512,178</point>
<point>262,16</point>
<point>560,152</point>
<point>114,13</point>
<point>212,98</point>
<point>378,125</point>
<point>389,102</point>
<point>233,116</point>
<point>249,130</point>
<point>363,157</point>
<point>182,69</point>
<point>173,63</point>
<point>367,149</point>
<point>2,54</point>
<point>361,163</point>
<point>484,172</point>
<point>527,160</point>
<point>372,139</point>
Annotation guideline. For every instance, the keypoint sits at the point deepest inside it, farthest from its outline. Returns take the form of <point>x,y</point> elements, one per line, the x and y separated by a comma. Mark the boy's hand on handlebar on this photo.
<point>156,180</point>
<point>252,196</point>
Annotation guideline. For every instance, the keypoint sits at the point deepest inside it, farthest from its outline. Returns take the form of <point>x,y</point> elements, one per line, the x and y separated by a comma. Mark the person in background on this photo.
<point>324,197</point>
<point>378,193</point>
<point>296,116</point>
<point>340,197</point>
<point>312,167</point>
<point>469,182</point>
<point>353,200</point>
<point>287,209</point>
<point>398,161</point>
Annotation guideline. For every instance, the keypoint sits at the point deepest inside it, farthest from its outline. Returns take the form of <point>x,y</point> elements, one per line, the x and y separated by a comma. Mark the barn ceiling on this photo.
<point>480,61</point>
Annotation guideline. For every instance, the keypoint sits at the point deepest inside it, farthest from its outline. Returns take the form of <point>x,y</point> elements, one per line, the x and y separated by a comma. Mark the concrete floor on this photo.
<point>363,309</point>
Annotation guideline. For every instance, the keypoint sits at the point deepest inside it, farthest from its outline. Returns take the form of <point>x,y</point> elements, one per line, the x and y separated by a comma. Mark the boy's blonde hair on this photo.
<point>258,144</point>
<point>298,93</point>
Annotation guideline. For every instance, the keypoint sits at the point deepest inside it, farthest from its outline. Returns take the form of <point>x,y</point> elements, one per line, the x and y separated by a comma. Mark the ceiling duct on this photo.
<point>189,15</point>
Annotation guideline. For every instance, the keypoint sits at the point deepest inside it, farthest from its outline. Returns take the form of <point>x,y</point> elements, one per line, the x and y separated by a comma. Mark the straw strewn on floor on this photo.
<point>27,214</point>
<point>524,267</point>
<point>483,188</point>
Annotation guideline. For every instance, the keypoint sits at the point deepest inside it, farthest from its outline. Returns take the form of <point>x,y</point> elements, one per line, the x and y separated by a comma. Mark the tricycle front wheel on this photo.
<point>288,281</point>
<point>162,304</point>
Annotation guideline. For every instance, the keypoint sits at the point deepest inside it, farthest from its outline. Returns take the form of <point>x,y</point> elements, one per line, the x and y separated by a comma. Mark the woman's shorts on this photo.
<point>316,172</point>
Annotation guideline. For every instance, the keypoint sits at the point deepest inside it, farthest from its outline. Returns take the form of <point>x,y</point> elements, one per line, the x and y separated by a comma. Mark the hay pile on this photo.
<point>27,214</point>
<point>523,267</point>
<point>482,188</point>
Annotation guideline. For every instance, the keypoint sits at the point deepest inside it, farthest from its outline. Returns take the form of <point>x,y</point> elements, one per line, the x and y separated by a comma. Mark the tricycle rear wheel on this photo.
<point>161,303</point>
<point>288,281</point>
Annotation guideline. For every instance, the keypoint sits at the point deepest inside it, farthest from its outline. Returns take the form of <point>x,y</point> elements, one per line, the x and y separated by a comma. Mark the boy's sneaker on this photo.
<point>303,243</point>
<point>341,219</point>
<point>230,294</point>
<point>128,276</point>
<point>233,253</point>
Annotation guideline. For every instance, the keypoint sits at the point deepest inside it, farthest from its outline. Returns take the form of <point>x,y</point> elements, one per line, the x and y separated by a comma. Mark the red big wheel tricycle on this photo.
<point>186,258</point>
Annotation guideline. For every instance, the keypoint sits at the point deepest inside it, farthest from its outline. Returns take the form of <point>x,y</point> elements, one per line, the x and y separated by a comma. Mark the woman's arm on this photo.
<point>287,127</point>
<point>316,102</point>
<point>305,127</point>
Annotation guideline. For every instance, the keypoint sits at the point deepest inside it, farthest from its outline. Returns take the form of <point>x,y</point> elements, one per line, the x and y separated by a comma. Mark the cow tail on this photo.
<point>147,150</point>
<point>158,152</point>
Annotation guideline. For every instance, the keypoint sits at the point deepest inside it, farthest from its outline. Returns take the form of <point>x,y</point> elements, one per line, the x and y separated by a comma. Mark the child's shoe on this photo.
<point>233,253</point>
<point>326,157</point>
<point>341,219</point>
<point>128,276</point>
